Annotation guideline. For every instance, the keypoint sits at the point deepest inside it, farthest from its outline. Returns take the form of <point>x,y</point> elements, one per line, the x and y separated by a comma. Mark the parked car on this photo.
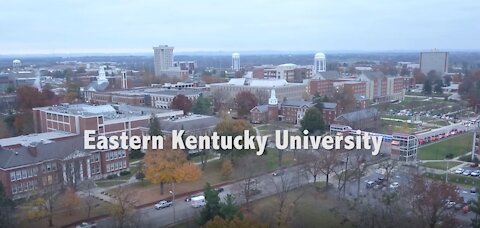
<point>278,173</point>
<point>466,173</point>
<point>87,225</point>
<point>475,173</point>
<point>163,204</point>
<point>473,190</point>
<point>370,184</point>
<point>220,189</point>
<point>394,185</point>
<point>450,204</point>
<point>459,171</point>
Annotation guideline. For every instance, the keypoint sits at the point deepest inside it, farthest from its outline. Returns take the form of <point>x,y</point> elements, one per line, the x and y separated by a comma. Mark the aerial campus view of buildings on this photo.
<point>116,101</point>
<point>258,114</point>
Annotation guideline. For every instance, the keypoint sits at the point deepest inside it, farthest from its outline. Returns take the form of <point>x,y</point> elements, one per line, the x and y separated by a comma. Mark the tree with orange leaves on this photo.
<point>169,166</point>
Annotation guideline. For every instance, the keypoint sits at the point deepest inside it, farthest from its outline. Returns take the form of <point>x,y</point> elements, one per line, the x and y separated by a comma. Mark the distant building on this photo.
<point>364,119</point>
<point>161,97</point>
<point>289,72</point>
<point>189,66</point>
<point>163,62</point>
<point>434,60</point>
<point>235,61</point>
<point>289,111</point>
<point>104,119</point>
<point>51,164</point>
<point>283,89</point>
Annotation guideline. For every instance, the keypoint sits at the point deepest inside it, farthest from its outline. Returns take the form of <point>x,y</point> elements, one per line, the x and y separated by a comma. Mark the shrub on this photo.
<point>124,173</point>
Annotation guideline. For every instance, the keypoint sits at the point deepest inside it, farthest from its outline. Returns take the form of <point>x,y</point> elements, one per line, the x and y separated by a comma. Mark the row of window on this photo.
<point>23,173</point>
<point>115,154</point>
<point>114,166</point>
<point>24,186</point>
<point>96,168</point>
<point>49,166</point>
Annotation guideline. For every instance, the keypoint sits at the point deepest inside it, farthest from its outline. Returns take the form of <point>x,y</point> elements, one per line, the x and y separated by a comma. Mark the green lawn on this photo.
<point>459,145</point>
<point>456,179</point>
<point>440,165</point>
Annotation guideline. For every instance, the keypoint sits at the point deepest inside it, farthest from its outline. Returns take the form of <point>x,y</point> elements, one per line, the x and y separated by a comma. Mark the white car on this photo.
<point>475,173</point>
<point>459,171</point>
<point>163,204</point>
<point>394,185</point>
<point>466,173</point>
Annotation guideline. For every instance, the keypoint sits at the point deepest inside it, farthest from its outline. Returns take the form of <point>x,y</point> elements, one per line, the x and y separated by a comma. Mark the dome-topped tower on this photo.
<point>320,63</point>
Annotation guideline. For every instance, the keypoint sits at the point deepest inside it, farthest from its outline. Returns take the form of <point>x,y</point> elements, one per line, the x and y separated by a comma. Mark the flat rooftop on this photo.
<point>157,91</point>
<point>109,112</point>
<point>26,140</point>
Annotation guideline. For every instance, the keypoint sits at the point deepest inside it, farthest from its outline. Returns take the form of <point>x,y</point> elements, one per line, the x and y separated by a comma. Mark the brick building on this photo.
<point>289,111</point>
<point>49,165</point>
<point>105,119</point>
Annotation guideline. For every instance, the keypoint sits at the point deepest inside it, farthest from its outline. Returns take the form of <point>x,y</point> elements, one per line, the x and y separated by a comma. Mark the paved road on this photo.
<point>268,185</point>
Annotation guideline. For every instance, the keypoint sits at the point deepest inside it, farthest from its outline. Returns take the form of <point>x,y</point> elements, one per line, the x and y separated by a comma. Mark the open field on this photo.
<point>457,145</point>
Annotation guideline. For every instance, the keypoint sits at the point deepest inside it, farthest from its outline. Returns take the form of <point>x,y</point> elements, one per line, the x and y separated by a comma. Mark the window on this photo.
<point>30,172</point>
<point>19,187</point>
<point>14,188</point>
<point>124,164</point>
<point>18,173</point>
<point>49,167</point>
<point>25,187</point>
<point>12,176</point>
<point>108,167</point>
<point>54,166</point>
<point>35,171</point>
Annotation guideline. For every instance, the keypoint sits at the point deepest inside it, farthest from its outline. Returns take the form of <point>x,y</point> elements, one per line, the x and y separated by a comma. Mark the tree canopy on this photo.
<point>313,121</point>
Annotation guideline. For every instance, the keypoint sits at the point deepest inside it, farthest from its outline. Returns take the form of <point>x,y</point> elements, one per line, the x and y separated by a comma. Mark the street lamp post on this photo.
<point>446,171</point>
<point>173,200</point>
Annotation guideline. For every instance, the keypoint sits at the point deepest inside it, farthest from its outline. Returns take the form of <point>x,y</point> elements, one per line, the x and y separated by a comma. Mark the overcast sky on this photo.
<point>80,26</point>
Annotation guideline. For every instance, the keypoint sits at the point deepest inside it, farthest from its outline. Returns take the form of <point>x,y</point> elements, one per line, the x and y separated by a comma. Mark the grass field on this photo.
<point>441,164</point>
<point>458,145</point>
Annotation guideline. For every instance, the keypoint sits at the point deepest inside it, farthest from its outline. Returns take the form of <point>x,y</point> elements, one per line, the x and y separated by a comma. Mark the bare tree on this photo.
<point>321,162</point>
<point>387,169</point>
<point>284,205</point>
<point>122,208</point>
<point>89,200</point>
<point>249,186</point>
<point>428,201</point>
<point>359,168</point>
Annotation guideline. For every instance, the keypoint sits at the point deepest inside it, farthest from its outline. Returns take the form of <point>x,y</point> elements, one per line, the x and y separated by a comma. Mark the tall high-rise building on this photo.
<point>163,58</point>
<point>320,63</point>
<point>434,60</point>
<point>235,61</point>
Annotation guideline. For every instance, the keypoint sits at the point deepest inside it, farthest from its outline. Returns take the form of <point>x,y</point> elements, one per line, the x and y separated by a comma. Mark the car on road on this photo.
<point>220,189</point>
<point>163,204</point>
<point>450,204</point>
<point>198,201</point>
<point>370,184</point>
<point>394,185</point>
<point>87,225</point>
<point>278,173</point>
<point>466,173</point>
<point>459,171</point>
<point>473,190</point>
<point>189,197</point>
